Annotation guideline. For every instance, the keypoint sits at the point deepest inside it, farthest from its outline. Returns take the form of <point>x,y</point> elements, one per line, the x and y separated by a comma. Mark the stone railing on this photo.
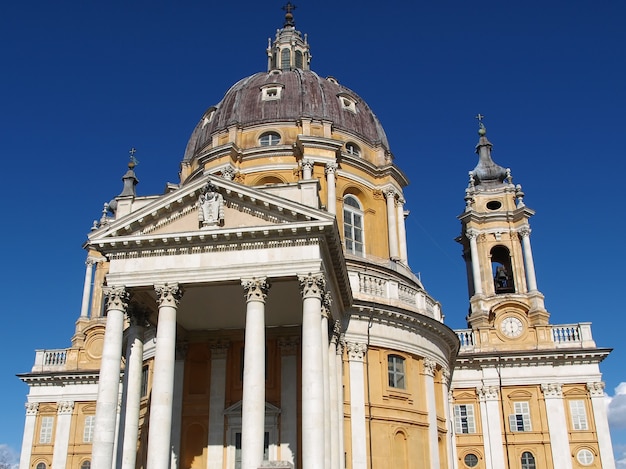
<point>466,338</point>
<point>50,360</point>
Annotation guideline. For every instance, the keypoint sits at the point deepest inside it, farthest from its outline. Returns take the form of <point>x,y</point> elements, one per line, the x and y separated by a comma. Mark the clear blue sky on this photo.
<point>84,81</point>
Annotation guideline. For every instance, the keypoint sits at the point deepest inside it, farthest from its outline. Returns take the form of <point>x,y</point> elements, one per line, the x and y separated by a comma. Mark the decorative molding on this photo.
<point>210,207</point>
<point>308,164</point>
<point>596,389</point>
<point>256,289</point>
<point>356,351</point>
<point>377,194</point>
<point>229,173</point>
<point>524,231</point>
<point>312,285</point>
<point>390,193</point>
<point>168,294</point>
<point>552,390</point>
<point>471,234</point>
<point>327,301</point>
<point>331,167</point>
<point>65,407</point>
<point>116,297</point>
<point>430,366</point>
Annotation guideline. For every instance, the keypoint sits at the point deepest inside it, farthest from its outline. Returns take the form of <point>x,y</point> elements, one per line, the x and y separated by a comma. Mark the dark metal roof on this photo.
<point>304,95</point>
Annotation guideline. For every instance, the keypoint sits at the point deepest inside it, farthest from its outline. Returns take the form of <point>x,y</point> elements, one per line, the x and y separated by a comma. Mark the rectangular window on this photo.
<point>45,433</point>
<point>145,373</point>
<point>520,420</point>
<point>579,414</point>
<point>90,421</point>
<point>395,371</point>
<point>464,418</point>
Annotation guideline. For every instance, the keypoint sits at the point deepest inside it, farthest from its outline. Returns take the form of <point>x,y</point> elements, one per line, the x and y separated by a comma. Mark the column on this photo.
<point>356,355</point>
<point>253,400</point>
<point>307,169</point>
<point>596,392</point>
<point>29,434</point>
<point>313,430</point>
<point>84,309</point>
<point>217,400</point>
<point>132,378</point>
<point>340,416</point>
<point>159,439</point>
<point>62,433</point>
<point>431,405</point>
<point>331,201</point>
<point>557,425</point>
<point>109,380</point>
<point>390,195</point>
<point>491,425</point>
<point>177,406</point>
<point>288,399</point>
<point>528,259</point>
<point>326,302</point>
<point>447,399</point>
<point>404,256</point>
<point>333,395</point>
<point>472,235</point>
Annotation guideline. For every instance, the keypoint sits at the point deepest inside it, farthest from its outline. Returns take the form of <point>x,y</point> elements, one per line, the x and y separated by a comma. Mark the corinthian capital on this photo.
<point>471,234</point>
<point>307,164</point>
<point>256,289</point>
<point>552,390</point>
<point>390,192</point>
<point>312,285</point>
<point>429,366</point>
<point>356,351</point>
<point>168,294</point>
<point>331,168</point>
<point>117,297</point>
<point>524,231</point>
<point>65,407</point>
<point>32,408</point>
<point>596,389</point>
<point>487,393</point>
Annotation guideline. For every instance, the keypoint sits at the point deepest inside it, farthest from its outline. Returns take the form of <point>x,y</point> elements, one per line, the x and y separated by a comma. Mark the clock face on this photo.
<point>511,326</point>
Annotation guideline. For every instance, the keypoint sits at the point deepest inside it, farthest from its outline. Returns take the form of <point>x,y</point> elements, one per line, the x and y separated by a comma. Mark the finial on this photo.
<point>482,131</point>
<point>288,8</point>
<point>133,161</point>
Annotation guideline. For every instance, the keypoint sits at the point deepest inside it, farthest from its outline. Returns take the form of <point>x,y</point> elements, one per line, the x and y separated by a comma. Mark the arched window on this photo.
<point>353,225</point>
<point>285,59</point>
<point>502,270</point>
<point>86,464</point>
<point>528,460</point>
<point>299,59</point>
<point>41,465</point>
<point>269,139</point>
<point>353,149</point>
<point>395,371</point>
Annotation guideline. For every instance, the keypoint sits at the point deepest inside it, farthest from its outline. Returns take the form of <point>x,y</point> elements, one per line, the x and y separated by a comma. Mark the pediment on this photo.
<point>178,216</point>
<point>465,396</point>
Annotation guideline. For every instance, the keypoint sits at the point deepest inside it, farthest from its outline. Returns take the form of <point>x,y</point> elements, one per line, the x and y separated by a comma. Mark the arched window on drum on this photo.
<point>502,270</point>
<point>353,226</point>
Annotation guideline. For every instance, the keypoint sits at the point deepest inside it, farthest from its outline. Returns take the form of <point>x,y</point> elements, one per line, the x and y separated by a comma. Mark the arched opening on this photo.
<point>285,59</point>
<point>502,270</point>
<point>399,452</point>
<point>353,225</point>
<point>86,464</point>
<point>528,460</point>
<point>299,60</point>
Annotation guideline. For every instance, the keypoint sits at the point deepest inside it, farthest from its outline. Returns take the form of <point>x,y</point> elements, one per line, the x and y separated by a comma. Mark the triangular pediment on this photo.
<point>178,216</point>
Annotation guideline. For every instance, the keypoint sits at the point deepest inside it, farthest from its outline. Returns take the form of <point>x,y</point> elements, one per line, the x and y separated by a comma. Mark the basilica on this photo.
<point>262,312</point>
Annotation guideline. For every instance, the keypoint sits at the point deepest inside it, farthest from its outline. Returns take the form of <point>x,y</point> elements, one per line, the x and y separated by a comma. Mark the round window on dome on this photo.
<point>269,139</point>
<point>585,457</point>
<point>353,149</point>
<point>494,204</point>
<point>470,460</point>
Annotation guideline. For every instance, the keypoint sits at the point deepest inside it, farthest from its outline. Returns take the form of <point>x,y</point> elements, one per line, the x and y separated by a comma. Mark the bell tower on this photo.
<point>496,247</point>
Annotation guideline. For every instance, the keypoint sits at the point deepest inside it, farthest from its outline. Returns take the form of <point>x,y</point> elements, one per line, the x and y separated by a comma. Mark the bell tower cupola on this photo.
<point>496,244</point>
<point>289,51</point>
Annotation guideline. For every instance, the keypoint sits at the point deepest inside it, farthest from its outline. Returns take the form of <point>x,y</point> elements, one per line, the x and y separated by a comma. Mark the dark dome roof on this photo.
<point>304,94</point>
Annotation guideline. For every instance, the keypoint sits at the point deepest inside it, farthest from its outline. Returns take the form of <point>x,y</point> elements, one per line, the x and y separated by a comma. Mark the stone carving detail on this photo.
<point>445,372</point>
<point>288,345</point>
<point>377,194</point>
<point>487,393</point>
<point>168,294</point>
<point>336,332</point>
<point>32,408</point>
<point>552,390</point>
<point>228,173</point>
<point>429,366</point>
<point>312,285</point>
<point>471,234</point>
<point>524,232</point>
<point>219,350</point>
<point>327,301</point>
<point>356,351</point>
<point>256,289</point>
<point>390,193</point>
<point>116,297</point>
<point>596,389</point>
<point>65,407</point>
<point>331,168</point>
<point>307,165</point>
<point>210,207</point>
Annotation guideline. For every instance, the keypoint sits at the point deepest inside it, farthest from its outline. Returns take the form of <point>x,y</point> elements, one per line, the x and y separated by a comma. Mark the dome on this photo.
<point>285,96</point>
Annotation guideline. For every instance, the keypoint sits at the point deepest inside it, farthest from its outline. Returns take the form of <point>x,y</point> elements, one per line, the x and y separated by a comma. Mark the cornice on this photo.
<point>61,378</point>
<point>516,358</point>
